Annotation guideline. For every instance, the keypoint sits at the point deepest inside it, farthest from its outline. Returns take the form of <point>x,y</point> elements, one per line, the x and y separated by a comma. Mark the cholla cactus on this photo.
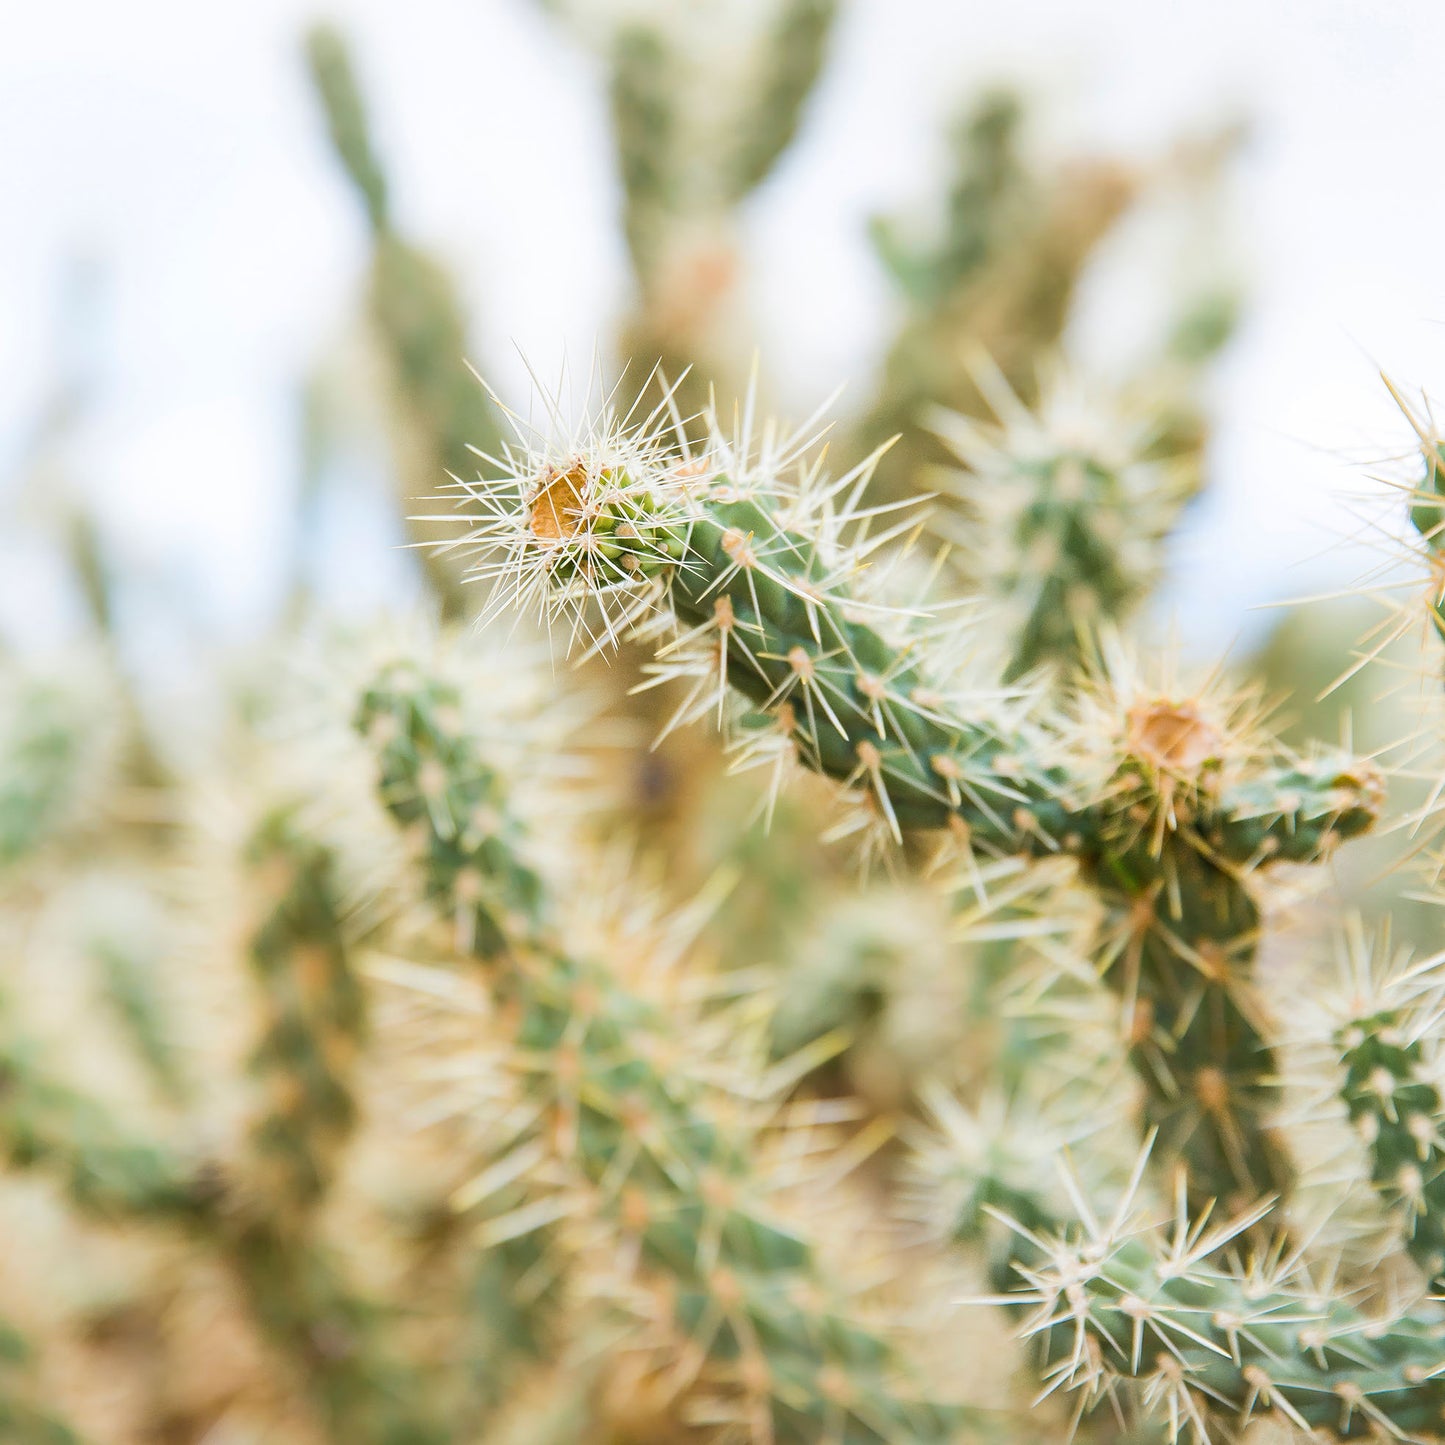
<point>315,1016</point>
<point>1000,278</point>
<point>755,581</point>
<point>1427,500</point>
<point>470,1120</point>
<point>692,146</point>
<point>439,411</point>
<point>663,1154</point>
<point>1169,1323</point>
<point>1125,1311</point>
<point>1386,1026</point>
<point>1060,517</point>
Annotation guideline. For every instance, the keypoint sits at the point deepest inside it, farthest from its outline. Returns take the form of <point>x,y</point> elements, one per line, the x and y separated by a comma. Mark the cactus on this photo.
<point>305,1057</point>
<point>440,414</point>
<point>1161,1322</point>
<point>754,583</point>
<point>252,1213</point>
<point>1125,1315</point>
<point>1388,1083</point>
<point>129,985</point>
<point>688,162</point>
<point>667,1170</point>
<point>644,124</point>
<point>1058,519</point>
<point>104,1168</point>
<point>315,1017</point>
<point>1000,279</point>
<point>475,1122</point>
<point>1426,504</point>
<point>794,50</point>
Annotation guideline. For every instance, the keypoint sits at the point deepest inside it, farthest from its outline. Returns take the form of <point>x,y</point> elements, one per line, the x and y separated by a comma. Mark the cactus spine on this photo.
<point>1118,1308</point>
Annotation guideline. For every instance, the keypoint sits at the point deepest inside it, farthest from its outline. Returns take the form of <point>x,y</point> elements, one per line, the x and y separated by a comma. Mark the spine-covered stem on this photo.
<point>755,577</point>
<point>313,1026</point>
<point>314,1017</point>
<point>1197,1343</point>
<point>1396,1106</point>
<point>664,1167</point>
<point>255,1216</point>
<point>440,412</point>
<point>1137,1316</point>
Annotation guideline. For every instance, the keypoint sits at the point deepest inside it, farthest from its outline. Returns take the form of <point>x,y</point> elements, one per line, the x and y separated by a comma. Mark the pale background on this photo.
<point>177,148</point>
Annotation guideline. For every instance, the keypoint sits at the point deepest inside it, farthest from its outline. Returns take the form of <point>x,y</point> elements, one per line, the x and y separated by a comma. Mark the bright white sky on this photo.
<point>178,144</point>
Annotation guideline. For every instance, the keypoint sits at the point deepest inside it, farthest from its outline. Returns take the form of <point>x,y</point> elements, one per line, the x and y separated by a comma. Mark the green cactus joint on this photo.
<point>255,1216</point>
<point>1059,520</point>
<point>1397,1109</point>
<point>1161,1323</point>
<point>645,128</point>
<point>1117,1314</point>
<point>1428,516</point>
<point>315,1016</point>
<point>796,49</point>
<point>672,1176</point>
<point>129,985</point>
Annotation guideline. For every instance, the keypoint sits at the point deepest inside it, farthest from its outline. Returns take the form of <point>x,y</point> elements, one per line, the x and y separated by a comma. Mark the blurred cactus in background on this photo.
<point>439,413</point>
<point>942,1038</point>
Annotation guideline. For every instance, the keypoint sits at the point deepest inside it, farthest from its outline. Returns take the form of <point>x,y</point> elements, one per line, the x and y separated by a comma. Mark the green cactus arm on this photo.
<point>753,571</point>
<point>1000,281</point>
<point>313,1030</point>
<point>1393,1100</point>
<point>796,48</point>
<point>335,81</point>
<point>1059,515</point>
<point>971,1169</point>
<point>1426,508</point>
<point>105,1169</point>
<point>1427,504</point>
<point>650,1140</point>
<point>1131,1315</point>
<point>1119,1314</point>
<point>293,1286</point>
<point>987,185</point>
<point>645,127</point>
<point>314,1016</point>
<point>293,1289</point>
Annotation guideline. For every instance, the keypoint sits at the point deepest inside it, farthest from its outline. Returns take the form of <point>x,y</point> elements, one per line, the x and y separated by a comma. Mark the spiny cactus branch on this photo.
<point>659,1158</point>
<point>748,579</point>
